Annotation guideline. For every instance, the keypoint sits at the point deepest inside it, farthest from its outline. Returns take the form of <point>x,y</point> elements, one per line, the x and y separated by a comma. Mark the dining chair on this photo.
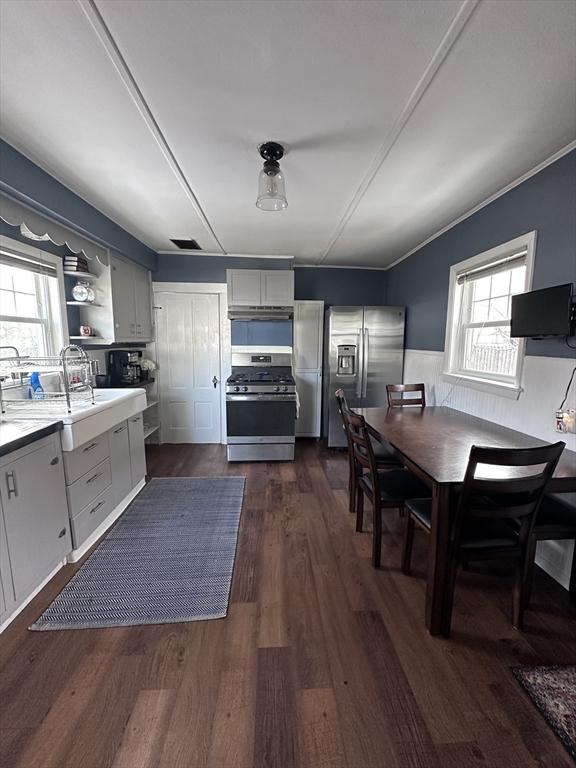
<point>494,517</point>
<point>384,454</point>
<point>385,489</point>
<point>556,520</point>
<point>401,389</point>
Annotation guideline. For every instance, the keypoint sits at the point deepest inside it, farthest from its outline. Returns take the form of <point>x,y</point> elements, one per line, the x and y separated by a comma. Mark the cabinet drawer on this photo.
<point>91,516</point>
<point>83,458</point>
<point>87,487</point>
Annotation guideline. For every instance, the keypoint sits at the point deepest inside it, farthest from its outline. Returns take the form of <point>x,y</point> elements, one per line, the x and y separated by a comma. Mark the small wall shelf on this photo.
<point>80,275</point>
<point>82,304</point>
<point>87,338</point>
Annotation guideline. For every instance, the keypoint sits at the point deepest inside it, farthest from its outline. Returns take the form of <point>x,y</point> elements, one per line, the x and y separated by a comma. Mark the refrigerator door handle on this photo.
<point>360,367</point>
<point>365,362</point>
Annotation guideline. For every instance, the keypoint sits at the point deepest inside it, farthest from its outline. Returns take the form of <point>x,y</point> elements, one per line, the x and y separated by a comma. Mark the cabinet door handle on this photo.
<point>62,533</point>
<point>120,429</point>
<point>94,477</point>
<point>11,487</point>
<point>96,508</point>
<point>55,461</point>
<point>89,447</point>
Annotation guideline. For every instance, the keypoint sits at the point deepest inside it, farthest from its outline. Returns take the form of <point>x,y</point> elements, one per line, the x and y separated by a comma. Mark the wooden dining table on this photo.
<point>434,443</point>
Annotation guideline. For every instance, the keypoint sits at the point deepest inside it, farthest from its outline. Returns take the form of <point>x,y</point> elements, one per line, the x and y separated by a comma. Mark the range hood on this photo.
<point>260,313</point>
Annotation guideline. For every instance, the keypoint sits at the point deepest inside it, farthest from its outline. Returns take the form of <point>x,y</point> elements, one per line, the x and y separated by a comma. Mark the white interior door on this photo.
<point>189,367</point>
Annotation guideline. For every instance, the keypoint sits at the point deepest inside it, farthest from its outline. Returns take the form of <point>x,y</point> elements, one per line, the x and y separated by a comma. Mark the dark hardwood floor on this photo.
<point>322,662</point>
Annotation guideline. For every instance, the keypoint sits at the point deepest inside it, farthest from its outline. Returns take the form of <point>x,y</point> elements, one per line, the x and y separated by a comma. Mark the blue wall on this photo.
<point>340,286</point>
<point>24,180</point>
<point>546,202</point>
<point>189,268</point>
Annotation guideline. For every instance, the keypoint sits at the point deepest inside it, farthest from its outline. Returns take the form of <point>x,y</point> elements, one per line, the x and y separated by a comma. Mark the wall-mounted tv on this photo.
<point>547,312</point>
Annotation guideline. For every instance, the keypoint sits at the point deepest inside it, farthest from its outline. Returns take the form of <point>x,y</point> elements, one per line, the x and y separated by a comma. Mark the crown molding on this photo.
<point>339,266</point>
<point>508,188</point>
<point>187,252</point>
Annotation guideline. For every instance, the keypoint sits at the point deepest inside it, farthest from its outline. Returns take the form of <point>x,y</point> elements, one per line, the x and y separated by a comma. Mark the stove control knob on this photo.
<point>236,389</point>
<point>244,389</point>
<point>276,389</point>
<point>284,389</point>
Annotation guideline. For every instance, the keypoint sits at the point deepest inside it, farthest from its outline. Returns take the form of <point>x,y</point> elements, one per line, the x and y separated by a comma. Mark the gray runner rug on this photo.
<point>169,558</point>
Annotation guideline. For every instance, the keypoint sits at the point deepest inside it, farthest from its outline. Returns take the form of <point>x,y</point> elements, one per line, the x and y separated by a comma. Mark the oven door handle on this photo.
<point>261,398</point>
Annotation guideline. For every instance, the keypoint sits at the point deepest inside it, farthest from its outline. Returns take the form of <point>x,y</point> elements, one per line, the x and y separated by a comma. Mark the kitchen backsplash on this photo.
<point>261,333</point>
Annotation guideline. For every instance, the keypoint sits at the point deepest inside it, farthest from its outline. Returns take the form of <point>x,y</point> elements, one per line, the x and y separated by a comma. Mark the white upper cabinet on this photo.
<point>243,287</point>
<point>260,287</point>
<point>277,288</point>
<point>131,302</point>
<point>142,303</point>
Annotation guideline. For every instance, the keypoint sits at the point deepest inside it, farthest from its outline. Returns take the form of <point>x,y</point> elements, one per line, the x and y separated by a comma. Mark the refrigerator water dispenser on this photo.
<point>346,360</point>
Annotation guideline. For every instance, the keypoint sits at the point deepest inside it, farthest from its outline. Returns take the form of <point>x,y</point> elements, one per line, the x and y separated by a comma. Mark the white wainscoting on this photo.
<point>544,383</point>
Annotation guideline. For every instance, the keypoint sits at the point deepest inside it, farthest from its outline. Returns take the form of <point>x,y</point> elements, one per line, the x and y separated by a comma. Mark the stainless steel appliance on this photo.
<point>260,407</point>
<point>363,352</point>
<point>260,313</point>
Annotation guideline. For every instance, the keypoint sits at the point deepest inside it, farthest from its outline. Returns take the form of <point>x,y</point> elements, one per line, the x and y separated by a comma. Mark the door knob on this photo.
<point>215,381</point>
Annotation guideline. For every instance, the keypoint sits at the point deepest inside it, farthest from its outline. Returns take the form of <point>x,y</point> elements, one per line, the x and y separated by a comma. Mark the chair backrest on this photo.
<point>400,389</point>
<point>362,449</point>
<point>510,484</point>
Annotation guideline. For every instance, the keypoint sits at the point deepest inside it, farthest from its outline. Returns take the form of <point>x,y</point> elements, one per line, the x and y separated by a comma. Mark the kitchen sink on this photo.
<point>87,420</point>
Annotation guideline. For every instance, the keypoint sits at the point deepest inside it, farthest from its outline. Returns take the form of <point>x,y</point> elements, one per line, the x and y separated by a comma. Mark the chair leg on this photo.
<point>408,542</point>
<point>572,584</point>
<point>518,593</point>
<point>376,535</point>
<point>529,569</point>
<point>359,508</point>
<point>352,481</point>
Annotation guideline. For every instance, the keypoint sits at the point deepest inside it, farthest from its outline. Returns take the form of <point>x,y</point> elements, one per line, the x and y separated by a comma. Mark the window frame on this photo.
<point>48,323</point>
<point>454,339</point>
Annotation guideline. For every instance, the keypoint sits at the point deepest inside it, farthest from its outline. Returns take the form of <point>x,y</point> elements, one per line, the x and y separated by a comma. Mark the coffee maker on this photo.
<point>123,367</point>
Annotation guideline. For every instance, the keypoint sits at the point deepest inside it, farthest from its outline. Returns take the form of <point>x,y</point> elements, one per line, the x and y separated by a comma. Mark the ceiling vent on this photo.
<point>186,245</point>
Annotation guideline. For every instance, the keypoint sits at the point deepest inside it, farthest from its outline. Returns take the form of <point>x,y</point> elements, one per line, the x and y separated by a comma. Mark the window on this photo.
<point>31,312</point>
<point>479,350</point>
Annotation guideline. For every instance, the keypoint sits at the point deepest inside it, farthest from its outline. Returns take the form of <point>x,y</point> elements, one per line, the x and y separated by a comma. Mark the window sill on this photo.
<point>511,391</point>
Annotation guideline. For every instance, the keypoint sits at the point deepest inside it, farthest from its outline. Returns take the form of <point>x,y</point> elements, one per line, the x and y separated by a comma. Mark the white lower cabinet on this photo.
<point>111,465</point>
<point>137,450</point>
<point>35,516</point>
<point>120,462</point>
<point>308,385</point>
<point>52,503</point>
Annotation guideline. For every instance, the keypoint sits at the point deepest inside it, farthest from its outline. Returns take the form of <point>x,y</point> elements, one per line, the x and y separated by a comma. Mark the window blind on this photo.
<point>502,265</point>
<point>34,264</point>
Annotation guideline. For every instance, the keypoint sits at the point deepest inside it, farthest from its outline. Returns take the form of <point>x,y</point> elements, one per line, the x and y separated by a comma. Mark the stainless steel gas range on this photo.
<point>260,407</point>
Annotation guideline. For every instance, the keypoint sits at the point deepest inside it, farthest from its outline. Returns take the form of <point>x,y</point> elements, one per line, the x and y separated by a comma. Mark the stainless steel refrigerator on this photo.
<point>363,352</point>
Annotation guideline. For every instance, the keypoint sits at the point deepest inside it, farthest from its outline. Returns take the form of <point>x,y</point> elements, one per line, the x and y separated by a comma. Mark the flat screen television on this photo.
<point>547,312</point>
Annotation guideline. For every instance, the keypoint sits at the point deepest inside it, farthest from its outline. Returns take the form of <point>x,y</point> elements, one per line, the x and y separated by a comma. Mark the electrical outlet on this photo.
<point>566,420</point>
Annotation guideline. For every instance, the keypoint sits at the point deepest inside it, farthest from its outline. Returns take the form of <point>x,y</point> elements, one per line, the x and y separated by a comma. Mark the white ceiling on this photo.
<point>399,116</point>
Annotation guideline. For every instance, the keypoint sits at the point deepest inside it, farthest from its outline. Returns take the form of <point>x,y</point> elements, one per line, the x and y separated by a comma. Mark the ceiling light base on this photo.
<point>271,150</point>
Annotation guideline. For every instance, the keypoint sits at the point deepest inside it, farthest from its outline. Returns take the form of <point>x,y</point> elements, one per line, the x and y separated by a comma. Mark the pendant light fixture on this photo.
<point>271,188</point>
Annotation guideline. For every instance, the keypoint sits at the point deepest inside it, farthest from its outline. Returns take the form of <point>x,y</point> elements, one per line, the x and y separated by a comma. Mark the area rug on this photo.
<point>168,559</point>
<point>553,691</point>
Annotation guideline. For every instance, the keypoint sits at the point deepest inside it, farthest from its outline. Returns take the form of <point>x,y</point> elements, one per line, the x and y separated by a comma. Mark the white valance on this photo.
<point>35,226</point>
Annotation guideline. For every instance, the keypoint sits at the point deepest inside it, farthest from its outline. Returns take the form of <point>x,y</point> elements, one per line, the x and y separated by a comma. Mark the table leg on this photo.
<point>438,558</point>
